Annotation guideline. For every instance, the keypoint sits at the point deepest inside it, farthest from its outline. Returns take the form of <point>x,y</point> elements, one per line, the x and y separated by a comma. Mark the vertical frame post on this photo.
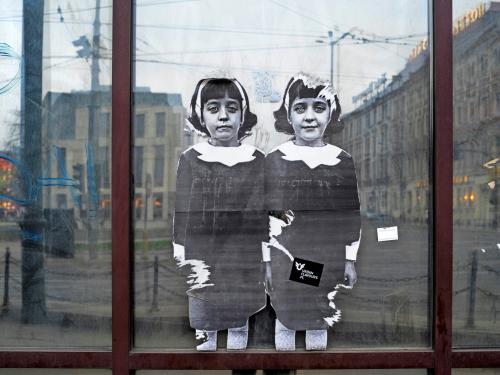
<point>442,48</point>
<point>121,184</point>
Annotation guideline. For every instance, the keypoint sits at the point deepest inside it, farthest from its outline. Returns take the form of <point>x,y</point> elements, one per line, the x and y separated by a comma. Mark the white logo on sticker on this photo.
<point>299,266</point>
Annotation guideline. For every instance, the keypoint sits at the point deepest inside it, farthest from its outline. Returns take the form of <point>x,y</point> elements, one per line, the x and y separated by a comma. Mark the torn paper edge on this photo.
<point>337,313</point>
<point>200,273</point>
<point>275,229</point>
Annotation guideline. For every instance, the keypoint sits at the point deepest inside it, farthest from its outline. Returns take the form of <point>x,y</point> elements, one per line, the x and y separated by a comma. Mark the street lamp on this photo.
<point>332,42</point>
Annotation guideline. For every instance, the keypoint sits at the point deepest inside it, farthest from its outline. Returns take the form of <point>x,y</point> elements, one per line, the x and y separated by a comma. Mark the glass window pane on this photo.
<point>380,71</point>
<point>476,171</point>
<point>55,163</point>
<point>475,371</point>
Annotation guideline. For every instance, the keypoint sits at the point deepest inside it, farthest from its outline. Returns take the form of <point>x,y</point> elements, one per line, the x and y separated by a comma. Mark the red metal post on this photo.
<point>121,183</point>
<point>53,359</point>
<point>274,360</point>
<point>442,182</point>
<point>476,359</point>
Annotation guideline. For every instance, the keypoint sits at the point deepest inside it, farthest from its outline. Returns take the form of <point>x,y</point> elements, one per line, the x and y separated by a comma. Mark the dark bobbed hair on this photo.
<point>296,90</point>
<point>217,88</point>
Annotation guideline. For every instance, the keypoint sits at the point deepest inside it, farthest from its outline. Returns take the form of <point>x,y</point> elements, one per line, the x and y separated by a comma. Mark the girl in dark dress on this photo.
<point>220,221</point>
<point>311,190</point>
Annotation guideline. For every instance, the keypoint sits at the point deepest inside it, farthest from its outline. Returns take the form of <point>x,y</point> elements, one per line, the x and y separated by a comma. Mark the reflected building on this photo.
<point>388,134</point>
<point>388,137</point>
<point>477,121</point>
<point>158,138</point>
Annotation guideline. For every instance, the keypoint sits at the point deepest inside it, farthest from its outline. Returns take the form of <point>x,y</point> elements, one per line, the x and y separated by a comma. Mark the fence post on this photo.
<point>5,305</point>
<point>154,305</point>
<point>472,291</point>
<point>146,276</point>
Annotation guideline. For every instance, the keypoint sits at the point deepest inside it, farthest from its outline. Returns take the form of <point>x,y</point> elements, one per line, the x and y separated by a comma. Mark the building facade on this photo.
<point>159,139</point>
<point>394,174</point>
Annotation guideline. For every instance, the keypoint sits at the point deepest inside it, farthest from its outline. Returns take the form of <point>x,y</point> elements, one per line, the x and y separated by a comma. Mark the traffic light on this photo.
<point>86,51</point>
<point>78,176</point>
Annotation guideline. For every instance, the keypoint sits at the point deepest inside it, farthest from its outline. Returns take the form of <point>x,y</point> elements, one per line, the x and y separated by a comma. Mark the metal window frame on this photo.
<point>124,361</point>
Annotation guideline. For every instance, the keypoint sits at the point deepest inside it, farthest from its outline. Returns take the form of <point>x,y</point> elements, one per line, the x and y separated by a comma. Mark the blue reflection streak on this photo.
<point>32,236</point>
<point>30,184</point>
<point>6,51</point>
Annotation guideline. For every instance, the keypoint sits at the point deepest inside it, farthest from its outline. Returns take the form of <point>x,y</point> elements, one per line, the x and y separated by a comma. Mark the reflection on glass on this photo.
<point>380,71</point>
<point>55,174</point>
<point>476,171</point>
<point>475,371</point>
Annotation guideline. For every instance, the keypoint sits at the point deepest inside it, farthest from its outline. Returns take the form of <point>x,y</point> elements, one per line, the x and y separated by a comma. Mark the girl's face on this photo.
<point>222,118</point>
<point>309,118</point>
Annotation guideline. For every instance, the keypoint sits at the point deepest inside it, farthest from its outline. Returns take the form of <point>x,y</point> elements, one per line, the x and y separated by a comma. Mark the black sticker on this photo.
<point>306,272</point>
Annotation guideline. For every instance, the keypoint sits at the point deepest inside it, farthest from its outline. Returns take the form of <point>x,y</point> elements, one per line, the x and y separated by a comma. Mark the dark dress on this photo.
<point>325,204</point>
<point>220,220</point>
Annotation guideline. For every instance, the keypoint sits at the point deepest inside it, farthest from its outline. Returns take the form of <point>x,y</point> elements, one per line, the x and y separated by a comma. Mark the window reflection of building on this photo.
<point>159,165</point>
<point>389,141</point>
<point>138,166</point>
<point>138,206</point>
<point>159,138</point>
<point>477,133</point>
<point>157,206</point>
<point>388,133</point>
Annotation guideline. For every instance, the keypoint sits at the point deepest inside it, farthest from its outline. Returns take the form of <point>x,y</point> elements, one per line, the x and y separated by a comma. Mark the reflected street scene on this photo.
<point>55,168</point>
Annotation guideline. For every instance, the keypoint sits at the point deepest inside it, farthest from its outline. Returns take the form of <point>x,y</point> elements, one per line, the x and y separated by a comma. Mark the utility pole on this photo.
<point>34,309</point>
<point>337,88</point>
<point>331,42</point>
<point>92,147</point>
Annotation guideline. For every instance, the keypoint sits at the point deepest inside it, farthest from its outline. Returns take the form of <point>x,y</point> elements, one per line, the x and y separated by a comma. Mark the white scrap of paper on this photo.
<point>498,246</point>
<point>483,250</point>
<point>387,234</point>
<point>491,185</point>
<point>491,163</point>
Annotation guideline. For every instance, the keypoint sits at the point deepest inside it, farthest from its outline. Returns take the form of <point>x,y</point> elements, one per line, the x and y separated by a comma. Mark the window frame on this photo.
<point>123,359</point>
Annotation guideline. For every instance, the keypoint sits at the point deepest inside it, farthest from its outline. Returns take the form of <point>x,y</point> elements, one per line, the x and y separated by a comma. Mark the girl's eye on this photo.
<point>212,108</point>
<point>299,109</point>
<point>233,108</point>
<point>319,108</point>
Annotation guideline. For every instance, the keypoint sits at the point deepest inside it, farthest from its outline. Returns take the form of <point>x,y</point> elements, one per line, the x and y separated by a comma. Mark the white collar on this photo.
<point>312,156</point>
<point>226,155</point>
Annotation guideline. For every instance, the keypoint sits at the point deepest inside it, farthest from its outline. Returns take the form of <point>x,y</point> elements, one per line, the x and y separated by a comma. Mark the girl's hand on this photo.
<point>350,275</point>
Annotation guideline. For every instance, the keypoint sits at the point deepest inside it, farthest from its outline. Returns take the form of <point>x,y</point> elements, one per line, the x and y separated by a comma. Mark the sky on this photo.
<point>260,42</point>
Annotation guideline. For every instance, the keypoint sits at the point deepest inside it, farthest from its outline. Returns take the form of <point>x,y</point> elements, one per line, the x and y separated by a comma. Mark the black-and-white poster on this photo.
<point>242,218</point>
<point>220,219</point>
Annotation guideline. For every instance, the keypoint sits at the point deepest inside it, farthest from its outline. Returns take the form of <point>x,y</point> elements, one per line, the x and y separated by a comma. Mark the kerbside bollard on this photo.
<point>472,291</point>
<point>5,304</point>
<point>154,305</point>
